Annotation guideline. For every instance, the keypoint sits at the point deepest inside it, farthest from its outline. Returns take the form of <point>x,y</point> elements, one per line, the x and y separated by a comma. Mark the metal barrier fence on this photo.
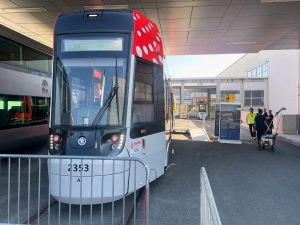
<point>208,210</point>
<point>41,189</point>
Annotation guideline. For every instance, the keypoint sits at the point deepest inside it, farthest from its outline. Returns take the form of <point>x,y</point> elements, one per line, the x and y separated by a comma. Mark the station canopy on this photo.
<point>188,27</point>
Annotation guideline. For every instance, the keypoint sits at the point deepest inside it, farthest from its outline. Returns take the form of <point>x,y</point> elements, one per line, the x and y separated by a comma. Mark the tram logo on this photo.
<point>136,146</point>
<point>44,86</point>
<point>81,141</point>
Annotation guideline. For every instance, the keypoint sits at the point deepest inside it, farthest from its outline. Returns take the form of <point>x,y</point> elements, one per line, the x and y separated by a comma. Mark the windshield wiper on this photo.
<point>105,106</point>
<point>117,97</point>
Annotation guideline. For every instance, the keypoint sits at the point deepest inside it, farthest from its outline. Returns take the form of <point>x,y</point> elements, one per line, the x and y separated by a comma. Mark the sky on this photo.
<point>199,65</point>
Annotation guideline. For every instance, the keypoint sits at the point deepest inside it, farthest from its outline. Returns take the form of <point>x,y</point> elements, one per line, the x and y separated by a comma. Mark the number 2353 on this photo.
<point>78,167</point>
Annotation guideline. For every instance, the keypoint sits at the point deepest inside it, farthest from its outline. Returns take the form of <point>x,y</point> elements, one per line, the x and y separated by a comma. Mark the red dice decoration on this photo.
<point>147,42</point>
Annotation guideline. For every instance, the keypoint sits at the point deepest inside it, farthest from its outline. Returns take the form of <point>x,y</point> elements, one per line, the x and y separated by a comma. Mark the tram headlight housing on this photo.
<point>55,144</point>
<point>119,145</point>
<point>113,143</point>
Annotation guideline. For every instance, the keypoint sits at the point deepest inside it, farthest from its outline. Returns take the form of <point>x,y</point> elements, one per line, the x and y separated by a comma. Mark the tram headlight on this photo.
<point>119,145</point>
<point>51,142</point>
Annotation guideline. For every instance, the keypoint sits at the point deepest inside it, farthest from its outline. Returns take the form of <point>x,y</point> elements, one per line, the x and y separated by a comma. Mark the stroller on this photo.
<point>269,139</point>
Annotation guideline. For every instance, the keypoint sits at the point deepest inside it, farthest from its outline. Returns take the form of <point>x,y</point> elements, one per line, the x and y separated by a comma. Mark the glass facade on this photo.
<point>260,71</point>
<point>24,57</point>
<point>191,95</point>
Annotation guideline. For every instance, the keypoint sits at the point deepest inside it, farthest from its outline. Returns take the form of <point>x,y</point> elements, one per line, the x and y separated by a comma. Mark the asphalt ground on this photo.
<point>250,187</point>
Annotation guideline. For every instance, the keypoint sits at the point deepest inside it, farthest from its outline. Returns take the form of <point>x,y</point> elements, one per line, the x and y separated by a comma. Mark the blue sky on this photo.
<point>199,65</point>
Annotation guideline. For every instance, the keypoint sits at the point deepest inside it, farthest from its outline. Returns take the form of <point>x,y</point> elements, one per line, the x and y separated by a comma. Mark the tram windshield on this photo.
<point>90,75</point>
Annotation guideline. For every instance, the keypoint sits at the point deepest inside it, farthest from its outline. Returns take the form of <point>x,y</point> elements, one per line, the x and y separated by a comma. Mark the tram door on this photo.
<point>148,116</point>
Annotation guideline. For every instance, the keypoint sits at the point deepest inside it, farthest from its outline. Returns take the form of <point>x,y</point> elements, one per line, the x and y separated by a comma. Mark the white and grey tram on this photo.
<point>109,99</point>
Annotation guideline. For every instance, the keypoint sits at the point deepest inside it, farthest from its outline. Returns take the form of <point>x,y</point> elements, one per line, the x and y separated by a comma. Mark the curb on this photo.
<point>290,141</point>
<point>281,138</point>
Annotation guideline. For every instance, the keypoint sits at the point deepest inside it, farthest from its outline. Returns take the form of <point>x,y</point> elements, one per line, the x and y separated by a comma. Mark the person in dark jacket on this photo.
<point>265,114</point>
<point>260,126</point>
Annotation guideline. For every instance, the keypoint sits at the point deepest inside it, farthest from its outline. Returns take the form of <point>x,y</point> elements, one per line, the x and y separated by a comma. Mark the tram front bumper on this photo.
<point>93,182</point>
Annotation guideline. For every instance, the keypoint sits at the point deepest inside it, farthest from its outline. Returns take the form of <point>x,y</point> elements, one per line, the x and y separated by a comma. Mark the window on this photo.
<point>259,71</point>
<point>254,72</point>
<point>143,103</point>
<point>18,111</point>
<point>24,57</point>
<point>1,103</point>
<point>265,70</point>
<point>36,60</point>
<point>10,52</point>
<point>254,98</point>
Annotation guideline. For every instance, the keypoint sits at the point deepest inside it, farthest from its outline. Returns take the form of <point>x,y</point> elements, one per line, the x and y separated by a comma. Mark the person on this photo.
<point>260,125</point>
<point>250,121</point>
<point>269,119</point>
<point>265,114</point>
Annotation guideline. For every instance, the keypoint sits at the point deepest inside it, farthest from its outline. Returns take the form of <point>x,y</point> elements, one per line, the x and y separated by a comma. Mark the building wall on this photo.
<point>282,88</point>
<point>246,63</point>
<point>283,80</point>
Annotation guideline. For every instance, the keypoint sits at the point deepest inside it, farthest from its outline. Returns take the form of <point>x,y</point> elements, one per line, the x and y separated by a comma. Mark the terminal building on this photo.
<point>269,78</point>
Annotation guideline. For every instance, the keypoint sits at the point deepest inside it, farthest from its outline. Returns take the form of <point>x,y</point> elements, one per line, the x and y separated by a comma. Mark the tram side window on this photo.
<point>37,60</point>
<point>143,103</point>
<point>18,111</point>
<point>3,119</point>
<point>10,52</point>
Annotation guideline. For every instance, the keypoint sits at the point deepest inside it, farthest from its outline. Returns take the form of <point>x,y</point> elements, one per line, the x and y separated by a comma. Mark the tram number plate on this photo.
<point>78,167</point>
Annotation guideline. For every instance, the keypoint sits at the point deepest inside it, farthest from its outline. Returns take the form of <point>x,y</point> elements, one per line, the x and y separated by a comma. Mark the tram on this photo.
<point>25,86</point>
<point>110,99</point>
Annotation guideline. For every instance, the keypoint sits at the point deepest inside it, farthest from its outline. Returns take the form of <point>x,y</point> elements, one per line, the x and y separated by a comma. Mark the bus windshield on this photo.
<point>84,79</point>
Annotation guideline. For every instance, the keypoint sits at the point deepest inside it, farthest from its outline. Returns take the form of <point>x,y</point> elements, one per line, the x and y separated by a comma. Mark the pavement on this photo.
<point>194,127</point>
<point>290,138</point>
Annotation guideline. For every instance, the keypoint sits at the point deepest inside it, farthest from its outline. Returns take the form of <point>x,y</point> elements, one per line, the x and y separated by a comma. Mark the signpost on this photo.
<point>229,97</point>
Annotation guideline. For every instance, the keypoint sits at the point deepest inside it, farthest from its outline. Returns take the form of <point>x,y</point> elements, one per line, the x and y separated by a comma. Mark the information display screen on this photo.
<point>230,122</point>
